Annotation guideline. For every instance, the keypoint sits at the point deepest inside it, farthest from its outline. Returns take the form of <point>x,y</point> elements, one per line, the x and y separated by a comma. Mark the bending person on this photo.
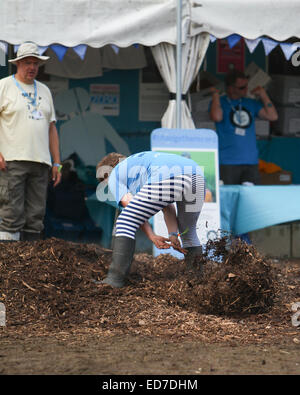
<point>144,184</point>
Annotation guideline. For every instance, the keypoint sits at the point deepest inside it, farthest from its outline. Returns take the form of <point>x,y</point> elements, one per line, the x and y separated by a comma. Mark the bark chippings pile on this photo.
<point>236,279</point>
<point>50,285</point>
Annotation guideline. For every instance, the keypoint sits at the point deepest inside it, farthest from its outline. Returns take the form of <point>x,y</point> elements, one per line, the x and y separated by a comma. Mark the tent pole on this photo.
<point>178,65</point>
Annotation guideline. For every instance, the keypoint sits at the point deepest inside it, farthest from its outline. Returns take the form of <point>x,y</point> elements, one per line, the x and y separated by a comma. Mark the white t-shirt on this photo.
<point>24,127</point>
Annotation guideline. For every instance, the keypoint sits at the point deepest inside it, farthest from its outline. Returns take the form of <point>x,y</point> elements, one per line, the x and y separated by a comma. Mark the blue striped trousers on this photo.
<point>187,191</point>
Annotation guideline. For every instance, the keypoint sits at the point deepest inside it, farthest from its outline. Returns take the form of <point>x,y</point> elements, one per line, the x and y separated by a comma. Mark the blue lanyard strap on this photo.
<point>231,105</point>
<point>234,109</point>
<point>25,94</point>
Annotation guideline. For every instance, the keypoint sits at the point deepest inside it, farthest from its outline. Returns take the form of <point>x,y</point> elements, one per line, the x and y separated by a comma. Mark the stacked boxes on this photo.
<point>296,239</point>
<point>288,123</point>
<point>285,89</point>
<point>278,241</point>
<point>282,177</point>
<point>262,128</point>
<point>273,241</point>
<point>285,93</point>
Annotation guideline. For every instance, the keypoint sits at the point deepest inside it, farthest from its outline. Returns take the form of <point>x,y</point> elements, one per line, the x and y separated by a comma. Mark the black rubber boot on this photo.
<point>191,258</point>
<point>122,256</point>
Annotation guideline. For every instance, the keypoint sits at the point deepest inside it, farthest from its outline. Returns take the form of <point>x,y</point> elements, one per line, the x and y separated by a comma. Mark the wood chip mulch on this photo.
<point>47,287</point>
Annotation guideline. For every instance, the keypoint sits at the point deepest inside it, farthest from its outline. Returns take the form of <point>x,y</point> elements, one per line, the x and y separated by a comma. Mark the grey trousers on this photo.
<point>23,193</point>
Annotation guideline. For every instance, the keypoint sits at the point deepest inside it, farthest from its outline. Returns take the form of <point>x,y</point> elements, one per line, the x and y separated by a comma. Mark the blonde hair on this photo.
<point>107,164</point>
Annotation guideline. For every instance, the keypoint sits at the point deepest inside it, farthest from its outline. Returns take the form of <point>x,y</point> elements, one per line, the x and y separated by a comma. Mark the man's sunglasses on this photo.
<point>241,88</point>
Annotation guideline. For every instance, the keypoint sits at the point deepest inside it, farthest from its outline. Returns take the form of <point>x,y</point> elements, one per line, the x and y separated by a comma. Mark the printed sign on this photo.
<point>105,99</point>
<point>201,145</point>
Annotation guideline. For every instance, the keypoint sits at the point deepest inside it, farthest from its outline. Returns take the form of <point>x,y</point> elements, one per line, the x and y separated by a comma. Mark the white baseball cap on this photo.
<point>28,49</point>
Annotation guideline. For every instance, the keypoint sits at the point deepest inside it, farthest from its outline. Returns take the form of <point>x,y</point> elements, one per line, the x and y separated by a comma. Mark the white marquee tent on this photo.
<point>152,23</point>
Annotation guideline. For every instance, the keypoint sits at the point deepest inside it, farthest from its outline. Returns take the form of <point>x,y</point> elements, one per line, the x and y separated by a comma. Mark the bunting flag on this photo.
<point>269,45</point>
<point>252,44</point>
<point>80,50</point>
<point>42,49</point>
<point>115,48</point>
<point>3,52</point>
<point>60,50</point>
<point>289,49</point>
<point>4,46</point>
<point>233,39</point>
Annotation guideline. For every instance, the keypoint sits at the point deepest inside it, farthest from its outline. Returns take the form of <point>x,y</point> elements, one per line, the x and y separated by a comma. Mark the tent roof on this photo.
<point>278,19</point>
<point>148,22</point>
<point>92,22</point>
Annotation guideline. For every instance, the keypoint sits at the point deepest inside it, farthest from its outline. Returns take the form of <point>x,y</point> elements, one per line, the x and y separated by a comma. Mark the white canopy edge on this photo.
<point>92,22</point>
<point>148,22</point>
<point>278,19</point>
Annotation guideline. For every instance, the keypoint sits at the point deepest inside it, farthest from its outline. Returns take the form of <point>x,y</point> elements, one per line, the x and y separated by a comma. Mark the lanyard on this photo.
<point>234,109</point>
<point>25,94</point>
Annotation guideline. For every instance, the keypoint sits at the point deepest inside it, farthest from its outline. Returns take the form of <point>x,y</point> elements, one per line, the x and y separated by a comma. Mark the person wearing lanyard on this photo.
<point>29,147</point>
<point>234,115</point>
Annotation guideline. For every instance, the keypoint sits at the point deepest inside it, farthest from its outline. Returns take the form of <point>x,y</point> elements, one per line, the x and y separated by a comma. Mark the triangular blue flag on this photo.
<point>233,39</point>
<point>136,45</point>
<point>80,50</point>
<point>252,44</point>
<point>42,49</point>
<point>269,45</point>
<point>115,48</point>
<point>59,50</point>
<point>288,49</point>
<point>3,52</point>
<point>3,46</point>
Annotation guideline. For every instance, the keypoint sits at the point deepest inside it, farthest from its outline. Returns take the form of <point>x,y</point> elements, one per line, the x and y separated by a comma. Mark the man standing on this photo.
<point>234,115</point>
<point>28,139</point>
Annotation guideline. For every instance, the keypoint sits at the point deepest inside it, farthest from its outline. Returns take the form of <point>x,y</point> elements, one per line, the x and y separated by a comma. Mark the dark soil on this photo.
<point>233,318</point>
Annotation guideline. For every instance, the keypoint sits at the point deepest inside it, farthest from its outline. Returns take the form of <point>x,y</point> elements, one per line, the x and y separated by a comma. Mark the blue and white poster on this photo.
<point>201,145</point>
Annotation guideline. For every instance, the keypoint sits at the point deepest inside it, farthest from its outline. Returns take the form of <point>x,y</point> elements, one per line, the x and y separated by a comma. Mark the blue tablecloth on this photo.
<point>248,208</point>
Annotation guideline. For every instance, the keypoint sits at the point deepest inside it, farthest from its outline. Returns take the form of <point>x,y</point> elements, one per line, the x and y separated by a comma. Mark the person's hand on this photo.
<point>2,163</point>
<point>258,91</point>
<point>175,243</point>
<point>214,90</point>
<point>160,242</point>
<point>56,175</point>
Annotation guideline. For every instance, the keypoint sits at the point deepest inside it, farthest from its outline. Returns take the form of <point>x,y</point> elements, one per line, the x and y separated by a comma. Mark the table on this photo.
<point>248,208</point>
